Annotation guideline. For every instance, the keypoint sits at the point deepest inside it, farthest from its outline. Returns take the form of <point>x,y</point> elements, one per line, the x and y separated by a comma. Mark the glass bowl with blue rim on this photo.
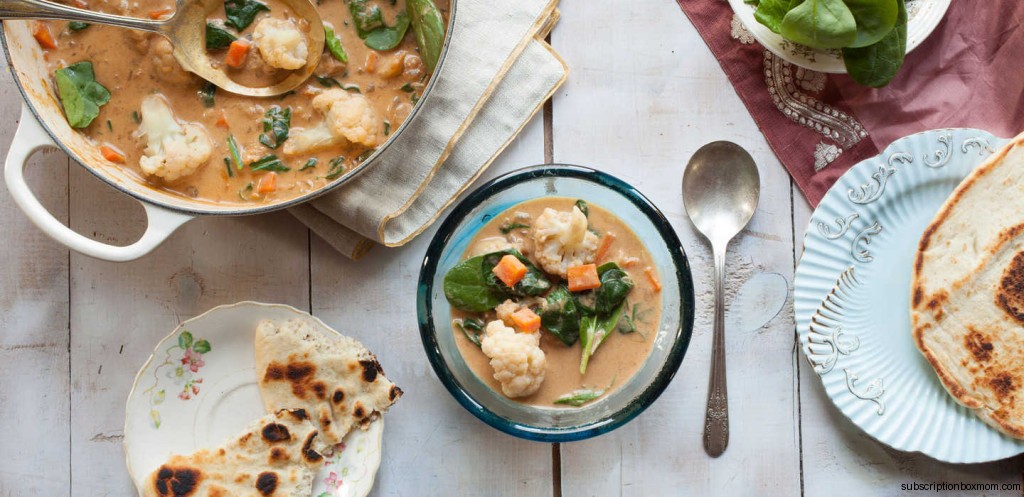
<point>629,399</point>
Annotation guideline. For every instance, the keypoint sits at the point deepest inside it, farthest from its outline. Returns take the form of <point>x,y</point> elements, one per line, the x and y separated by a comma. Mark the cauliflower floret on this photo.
<point>281,43</point>
<point>505,310</point>
<point>165,66</point>
<point>517,359</point>
<point>562,240</point>
<point>173,150</point>
<point>347,116</point>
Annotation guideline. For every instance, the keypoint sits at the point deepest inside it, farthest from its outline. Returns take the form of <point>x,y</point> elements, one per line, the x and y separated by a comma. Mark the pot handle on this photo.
<point>31,137</point>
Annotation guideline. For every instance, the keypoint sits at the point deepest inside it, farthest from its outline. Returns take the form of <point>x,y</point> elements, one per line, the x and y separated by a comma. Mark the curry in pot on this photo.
<point>126,92</point>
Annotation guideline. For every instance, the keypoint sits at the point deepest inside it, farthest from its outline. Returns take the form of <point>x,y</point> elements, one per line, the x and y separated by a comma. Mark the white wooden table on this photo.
<point>643,94</point>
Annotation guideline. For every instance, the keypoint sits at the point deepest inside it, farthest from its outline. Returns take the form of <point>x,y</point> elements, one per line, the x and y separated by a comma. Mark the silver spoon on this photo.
<point>720,191</point>
<point>186,30</point>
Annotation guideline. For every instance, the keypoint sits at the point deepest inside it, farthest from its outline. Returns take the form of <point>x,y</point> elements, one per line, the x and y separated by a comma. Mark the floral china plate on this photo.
<point>852,297</point>
<point>923,17</point>
<point>198,389</point>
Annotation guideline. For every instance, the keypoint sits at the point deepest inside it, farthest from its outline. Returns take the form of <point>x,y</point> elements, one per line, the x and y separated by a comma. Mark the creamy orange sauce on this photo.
<point>132,65</point>
<point>621,355</point>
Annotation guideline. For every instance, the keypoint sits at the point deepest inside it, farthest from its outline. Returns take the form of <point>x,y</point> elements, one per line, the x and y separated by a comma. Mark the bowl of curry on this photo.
<point>118,103</point>
<point>555,303</point>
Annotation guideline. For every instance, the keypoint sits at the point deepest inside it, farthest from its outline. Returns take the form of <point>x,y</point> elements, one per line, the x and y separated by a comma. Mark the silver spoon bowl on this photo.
<point>186,30</point>
<point>721,188</point>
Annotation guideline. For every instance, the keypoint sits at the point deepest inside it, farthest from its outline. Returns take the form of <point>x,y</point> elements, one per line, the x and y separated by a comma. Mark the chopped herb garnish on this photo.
<point>351,88</point>
<point>269,163</point>
<point>241,13</point>
<point>218,37</point>
<point>336,167</point>
<point>286,94</point>
<point>110,127</point>
<point>583,207</point>
<point>327,81</point>
<point>236,156</point>
<point>415,98</point>
<point>334,45</point>
<point>508,228</point>
<point>312,162</point>
<point>77,25</point>
<point>579,397</point>
<point>387,128</point>
<point>206,95</point>
<point>408,88</point>
<point>227,166</point>
<point>363,156</point>
<point>136,118</point>
<point>276,123</point>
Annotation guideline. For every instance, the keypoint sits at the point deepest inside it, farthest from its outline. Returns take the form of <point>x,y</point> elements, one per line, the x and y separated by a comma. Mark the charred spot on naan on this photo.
<point>177,481</point>
<point>274,433</point>
<point>338,397</point>
<point>371,368</point>
<point>1002,384</point>
<point>1010,294</point>
<point>278,455</point>
<point>266,483</point>
<point>979,345</point>
<point>394,393</point>
<point>311,455</point>
<point>300,375</point>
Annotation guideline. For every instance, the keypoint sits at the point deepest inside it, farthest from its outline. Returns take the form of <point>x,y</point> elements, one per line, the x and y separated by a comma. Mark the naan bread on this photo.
<point>336,379</point>
<point>967,294</point>
<point>278,455</point>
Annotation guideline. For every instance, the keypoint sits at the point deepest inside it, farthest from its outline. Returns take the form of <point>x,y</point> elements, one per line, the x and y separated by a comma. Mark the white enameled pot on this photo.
<point>42,125</point>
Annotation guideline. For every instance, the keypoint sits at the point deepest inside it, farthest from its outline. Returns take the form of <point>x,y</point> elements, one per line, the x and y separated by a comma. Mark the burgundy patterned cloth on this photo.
<point>968,73</point>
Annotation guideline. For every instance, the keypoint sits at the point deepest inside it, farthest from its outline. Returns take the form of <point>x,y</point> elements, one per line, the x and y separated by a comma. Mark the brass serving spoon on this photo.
<point>186,30</point>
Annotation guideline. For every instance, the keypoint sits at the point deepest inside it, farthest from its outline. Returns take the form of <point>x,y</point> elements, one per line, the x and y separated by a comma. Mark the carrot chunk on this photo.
<point>268,183</point>
<point>112,154</point>
<point>43,36</point>
<point>510,270</point>
<point>237,52</point>
<point>371,62</point>
<point>606,243</point>
<point>526,320</point>
<point>583,278</point>
<point>160,13</point>
<point>222,120</point>
<point>653,277</point>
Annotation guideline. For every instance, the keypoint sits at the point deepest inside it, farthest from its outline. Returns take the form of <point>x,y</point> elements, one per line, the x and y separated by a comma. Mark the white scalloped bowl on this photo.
<point>852,298</point>
<point>924,16</point>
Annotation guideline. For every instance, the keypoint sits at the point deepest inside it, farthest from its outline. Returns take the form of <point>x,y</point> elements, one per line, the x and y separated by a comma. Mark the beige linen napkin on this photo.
<point>497,74</point>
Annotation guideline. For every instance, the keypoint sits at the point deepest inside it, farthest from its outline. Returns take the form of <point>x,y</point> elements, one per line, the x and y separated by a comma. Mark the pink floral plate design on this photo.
<point>199,389</point>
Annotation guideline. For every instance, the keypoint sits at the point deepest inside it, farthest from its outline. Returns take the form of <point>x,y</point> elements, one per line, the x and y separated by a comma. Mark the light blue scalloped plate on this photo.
<point>852,297</point>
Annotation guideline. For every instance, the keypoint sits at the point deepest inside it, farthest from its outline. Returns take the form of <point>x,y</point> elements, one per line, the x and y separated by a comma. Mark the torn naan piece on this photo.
<point>276,456</point>
<point>334,378</point>
<point>967,293</point>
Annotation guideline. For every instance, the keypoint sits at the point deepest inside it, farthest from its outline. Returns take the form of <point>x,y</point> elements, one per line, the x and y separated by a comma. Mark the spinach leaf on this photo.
<point>207,93</point>
<point>269,163</point>
<point>77,25</point>
<point>233,151</point>
<point>241,13</point>
<point>334,46</point>
<point>366,18</point>
<point>615,286</point>
<point>508,228</point>
<point>533,284</point>
<point>577,398</point>
<point>820,24</point>
<point>771,12</point>
<point>311,163</point>
<point>335,167</point>
<point>472,328</point>
<point>877,64</point>
<point>276,123</point>
<point>80,94</point>
<point>387,38</point>
<point>217,37</point>
<point>560,315</point>
<point>875,19</point>
<point>467,289</point>
<point>428,26</point>
<point>594,330</point>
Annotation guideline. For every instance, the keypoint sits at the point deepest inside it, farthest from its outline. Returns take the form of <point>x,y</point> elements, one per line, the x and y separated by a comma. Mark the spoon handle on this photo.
<point>40,9</point>
<point>716,418</point>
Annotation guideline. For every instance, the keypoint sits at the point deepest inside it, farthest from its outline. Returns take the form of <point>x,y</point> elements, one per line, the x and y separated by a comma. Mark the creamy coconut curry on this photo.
<point>126,92</point>
<point>556,303</point>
